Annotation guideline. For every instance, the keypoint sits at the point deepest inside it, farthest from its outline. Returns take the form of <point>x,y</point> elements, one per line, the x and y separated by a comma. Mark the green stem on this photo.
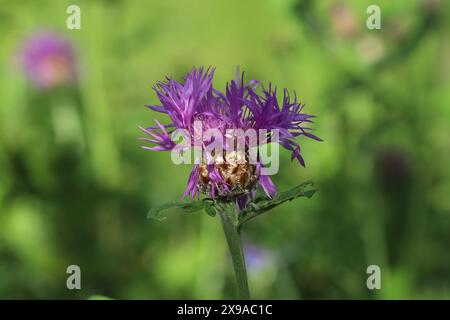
<point>229,218</point>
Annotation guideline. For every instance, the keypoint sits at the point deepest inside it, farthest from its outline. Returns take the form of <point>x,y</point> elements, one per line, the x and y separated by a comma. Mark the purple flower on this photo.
<point>48,60</point>
<point>257,258</point>
<point>242,106</point>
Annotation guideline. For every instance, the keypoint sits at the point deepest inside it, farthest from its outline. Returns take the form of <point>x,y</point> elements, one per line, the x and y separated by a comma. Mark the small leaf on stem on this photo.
<point>263,204</point>
<point>187,207</point>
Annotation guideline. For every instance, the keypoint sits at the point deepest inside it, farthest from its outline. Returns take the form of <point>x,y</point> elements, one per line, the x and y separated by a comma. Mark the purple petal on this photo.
<point>157,108</point>
<point>267,185</point>
<point>192,185</point>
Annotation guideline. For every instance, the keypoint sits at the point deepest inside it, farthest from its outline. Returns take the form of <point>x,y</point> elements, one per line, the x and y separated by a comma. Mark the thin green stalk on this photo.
<point>229,218</point>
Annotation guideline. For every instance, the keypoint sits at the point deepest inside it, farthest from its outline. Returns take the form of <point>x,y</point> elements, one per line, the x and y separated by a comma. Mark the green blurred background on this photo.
<point>75,187</point>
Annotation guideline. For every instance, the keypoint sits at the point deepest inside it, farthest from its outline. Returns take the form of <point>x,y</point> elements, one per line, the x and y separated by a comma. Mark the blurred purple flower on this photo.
<point>240,107</point>
<point>256,258</point>
<point>48,60</point>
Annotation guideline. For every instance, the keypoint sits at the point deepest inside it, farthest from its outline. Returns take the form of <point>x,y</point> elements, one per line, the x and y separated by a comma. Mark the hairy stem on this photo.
<point>229,218</point>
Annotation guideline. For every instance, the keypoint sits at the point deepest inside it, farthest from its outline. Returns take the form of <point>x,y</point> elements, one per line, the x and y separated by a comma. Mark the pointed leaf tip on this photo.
<point>156,213</point>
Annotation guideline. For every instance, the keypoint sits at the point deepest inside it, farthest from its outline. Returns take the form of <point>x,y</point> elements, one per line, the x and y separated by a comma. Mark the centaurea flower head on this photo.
<point>48,60</point>
<point>227,172</point>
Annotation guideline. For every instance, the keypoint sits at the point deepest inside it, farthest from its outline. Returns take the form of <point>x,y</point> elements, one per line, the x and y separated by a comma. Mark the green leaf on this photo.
<point>210,209</point>
<point>253,209</point>
<point>263,204</point>
<point>186,206</point>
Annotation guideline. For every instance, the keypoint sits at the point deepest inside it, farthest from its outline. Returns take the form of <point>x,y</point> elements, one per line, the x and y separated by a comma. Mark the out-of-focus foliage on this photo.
<point>75,187</point>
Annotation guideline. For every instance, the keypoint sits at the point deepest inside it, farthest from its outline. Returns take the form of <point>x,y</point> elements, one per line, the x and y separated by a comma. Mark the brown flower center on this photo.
<point>235,170</point>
